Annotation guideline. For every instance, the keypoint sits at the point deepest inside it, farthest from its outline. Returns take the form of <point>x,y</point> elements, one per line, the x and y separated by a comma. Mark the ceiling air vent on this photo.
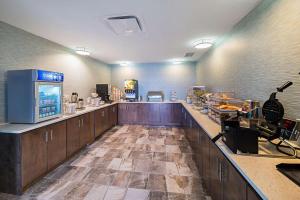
<point>189,54</point>
<point>125,25</point>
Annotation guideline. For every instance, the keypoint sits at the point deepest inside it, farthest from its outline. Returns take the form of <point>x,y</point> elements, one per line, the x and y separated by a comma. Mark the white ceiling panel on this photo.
<point>169,26</point>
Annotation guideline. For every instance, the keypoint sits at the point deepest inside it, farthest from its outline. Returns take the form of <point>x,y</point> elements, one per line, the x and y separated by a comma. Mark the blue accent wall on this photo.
<point>157,76</point>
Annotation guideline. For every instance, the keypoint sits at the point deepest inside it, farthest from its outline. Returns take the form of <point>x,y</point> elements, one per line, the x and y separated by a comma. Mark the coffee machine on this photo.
<point>104,91</point>
<point>131,90</point>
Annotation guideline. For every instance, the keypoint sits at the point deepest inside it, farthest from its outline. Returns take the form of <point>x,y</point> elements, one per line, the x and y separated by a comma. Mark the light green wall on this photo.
<point>20,50</point>
<point>258,55</point>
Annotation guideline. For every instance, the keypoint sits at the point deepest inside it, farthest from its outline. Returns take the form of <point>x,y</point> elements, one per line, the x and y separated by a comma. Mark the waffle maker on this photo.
<point>276,127</point>
<point>273,112</point>
<point>246,139</point>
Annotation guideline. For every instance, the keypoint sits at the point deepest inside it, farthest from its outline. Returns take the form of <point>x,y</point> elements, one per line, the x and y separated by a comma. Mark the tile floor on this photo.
<point>128,162</point>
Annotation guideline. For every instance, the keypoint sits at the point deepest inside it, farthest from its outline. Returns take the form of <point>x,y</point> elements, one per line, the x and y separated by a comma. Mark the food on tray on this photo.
<point>228,107</point>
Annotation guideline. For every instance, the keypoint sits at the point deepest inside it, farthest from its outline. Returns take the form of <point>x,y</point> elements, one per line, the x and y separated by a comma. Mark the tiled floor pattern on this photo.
<point>128,162</point>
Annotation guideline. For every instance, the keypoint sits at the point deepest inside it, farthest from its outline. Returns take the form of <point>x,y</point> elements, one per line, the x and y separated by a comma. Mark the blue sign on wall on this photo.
<point>48,76</point>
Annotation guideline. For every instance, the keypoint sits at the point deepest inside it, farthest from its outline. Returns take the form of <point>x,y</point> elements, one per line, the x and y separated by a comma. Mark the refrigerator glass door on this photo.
<point>48,101</point>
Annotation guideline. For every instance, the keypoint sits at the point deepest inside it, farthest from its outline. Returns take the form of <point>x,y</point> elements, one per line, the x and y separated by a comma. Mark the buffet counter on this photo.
<point>260,172</point>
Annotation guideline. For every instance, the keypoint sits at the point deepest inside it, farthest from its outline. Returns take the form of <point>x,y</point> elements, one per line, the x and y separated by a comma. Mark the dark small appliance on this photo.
<point>104,91</point>
<point>239,138</point>
<point>292,171</point>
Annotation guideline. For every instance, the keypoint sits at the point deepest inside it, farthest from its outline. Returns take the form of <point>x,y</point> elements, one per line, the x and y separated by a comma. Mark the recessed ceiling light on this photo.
<point>203,44</point>
<point>124,64</point>
<point>177,62</point>
<point>82,51</point>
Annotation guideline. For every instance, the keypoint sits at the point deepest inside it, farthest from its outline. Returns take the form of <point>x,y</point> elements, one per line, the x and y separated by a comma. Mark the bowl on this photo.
<point>94,95</point>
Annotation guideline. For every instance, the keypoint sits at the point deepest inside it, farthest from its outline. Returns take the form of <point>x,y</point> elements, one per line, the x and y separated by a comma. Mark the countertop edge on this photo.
<point>30,127</point>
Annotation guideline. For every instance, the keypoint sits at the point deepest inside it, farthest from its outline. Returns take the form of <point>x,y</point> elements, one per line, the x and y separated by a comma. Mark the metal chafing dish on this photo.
<point>155,96</point>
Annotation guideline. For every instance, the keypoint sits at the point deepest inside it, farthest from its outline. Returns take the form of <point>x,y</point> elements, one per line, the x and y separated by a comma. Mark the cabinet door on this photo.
<point>150,113</point>
<point>176,114</point>
<point>34,155</point>
<point>166,113</point>
<point>57,144</point>
<point>92,126</point>
<point>183,117</point>
<point>122,112</point>
<point>216,190</point>
<point>199,153</point>
<point>99,122</point>
<point>234,186</point>
<point>251,194</point>
<point>196,142</point>
<point>206,161</point>
<point>107,123</point>
<point>189,129</point>
<point>132,113</point>
<point>111,116</point>
<point>115,115</point>
<point>73,135</point>
<point>85,130</point>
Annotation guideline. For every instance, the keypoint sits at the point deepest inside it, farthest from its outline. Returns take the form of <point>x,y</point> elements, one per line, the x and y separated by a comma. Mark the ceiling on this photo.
<point>170,26</point>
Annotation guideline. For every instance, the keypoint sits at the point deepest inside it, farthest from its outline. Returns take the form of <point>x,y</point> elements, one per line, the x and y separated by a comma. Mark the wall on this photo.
<point>20,50</point>
<point>157,76</point>
<point>258,55</point>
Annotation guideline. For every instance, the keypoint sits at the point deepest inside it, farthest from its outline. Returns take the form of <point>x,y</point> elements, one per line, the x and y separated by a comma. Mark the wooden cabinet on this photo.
<point>166,114</point>
<point>86,133</point>
<point>73,135</point>
<point>34,155</point>
<point>132,113</point>
<point>42,150</point>
<point>101,121</point>
<point>113,115</point>
<point>170,114</point>
<point>122,113</point>
<point>251,194</point>
<point>57,149</point>
<point>105,118</point>
<point>215,165</point>
<point>205,160</point>
<point>79,132</point>
<point>234,186</point>
<point>176,114</point>
<point>128,113</point>
<point>225,182</point>
<point>149,113</point>
<point>184,115</point>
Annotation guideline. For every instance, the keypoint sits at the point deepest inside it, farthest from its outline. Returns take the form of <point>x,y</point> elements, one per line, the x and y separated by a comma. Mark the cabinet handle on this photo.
<point>51,135</point>
<point>102,113</point>
<point>46,137</point>
<point>81,122</point>
<point>220,170</point>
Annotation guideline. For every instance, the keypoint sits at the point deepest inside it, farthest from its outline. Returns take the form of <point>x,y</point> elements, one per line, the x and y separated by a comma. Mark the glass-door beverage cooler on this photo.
<point>34,95</point>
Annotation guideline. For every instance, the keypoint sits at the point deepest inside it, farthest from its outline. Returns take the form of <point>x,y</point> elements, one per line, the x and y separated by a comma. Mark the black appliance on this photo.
<point>292,171</point>
<point>104,91</point>
<point>239,138</point>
